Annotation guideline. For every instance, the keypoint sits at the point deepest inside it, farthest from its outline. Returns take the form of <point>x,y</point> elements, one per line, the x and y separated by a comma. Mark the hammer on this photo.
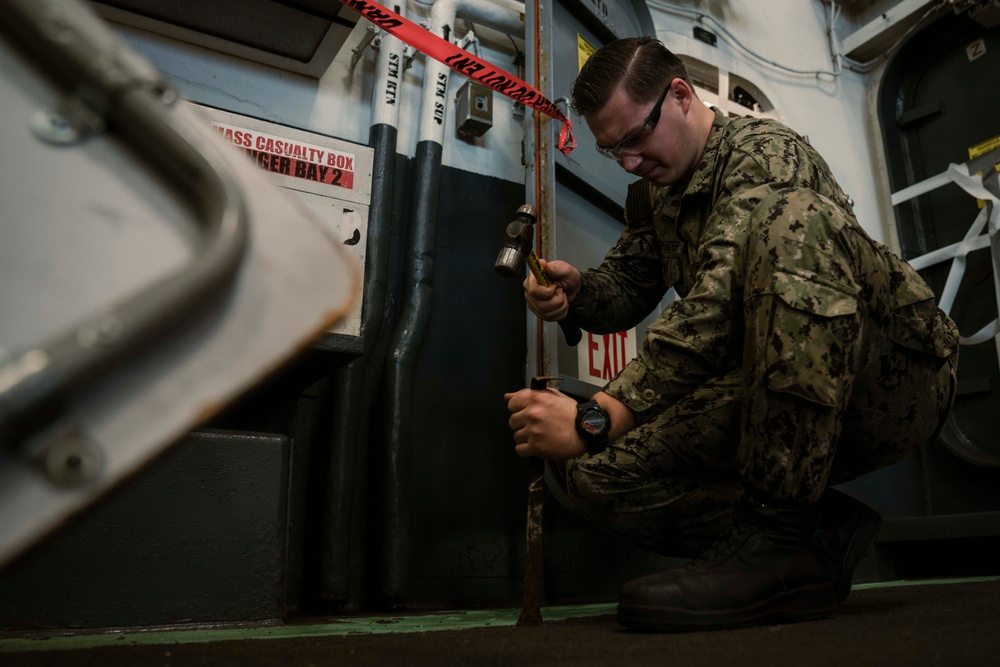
<point>517,249</point>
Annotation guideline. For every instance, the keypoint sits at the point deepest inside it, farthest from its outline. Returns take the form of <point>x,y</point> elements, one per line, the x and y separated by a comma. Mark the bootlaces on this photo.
<point>734,534</point>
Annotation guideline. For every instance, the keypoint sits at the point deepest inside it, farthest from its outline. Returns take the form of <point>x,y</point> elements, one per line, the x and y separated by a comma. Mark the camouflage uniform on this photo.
<point>801,352</point>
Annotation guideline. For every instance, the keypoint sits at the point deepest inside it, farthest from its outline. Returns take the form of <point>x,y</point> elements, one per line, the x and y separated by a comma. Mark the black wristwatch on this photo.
<point>593,423</point>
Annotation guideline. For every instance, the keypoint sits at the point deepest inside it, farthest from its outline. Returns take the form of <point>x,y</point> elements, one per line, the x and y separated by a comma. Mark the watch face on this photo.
<point>594,422</point>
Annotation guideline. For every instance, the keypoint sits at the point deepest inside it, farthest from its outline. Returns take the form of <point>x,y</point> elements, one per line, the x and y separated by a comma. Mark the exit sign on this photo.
<point>601,356</point>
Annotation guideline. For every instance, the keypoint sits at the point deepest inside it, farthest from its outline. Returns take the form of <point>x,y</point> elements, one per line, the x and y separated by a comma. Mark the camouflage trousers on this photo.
<point>847,366</point>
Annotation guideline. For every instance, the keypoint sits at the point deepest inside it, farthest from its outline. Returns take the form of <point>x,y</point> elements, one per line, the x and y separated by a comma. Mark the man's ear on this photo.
<point>682,93</point>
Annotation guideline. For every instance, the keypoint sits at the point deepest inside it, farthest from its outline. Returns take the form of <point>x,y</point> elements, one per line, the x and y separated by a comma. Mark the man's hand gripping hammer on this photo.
<point>518,249</point>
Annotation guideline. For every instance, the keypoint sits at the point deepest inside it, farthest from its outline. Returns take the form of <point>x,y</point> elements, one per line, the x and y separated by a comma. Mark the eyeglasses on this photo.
<point>631,144</point>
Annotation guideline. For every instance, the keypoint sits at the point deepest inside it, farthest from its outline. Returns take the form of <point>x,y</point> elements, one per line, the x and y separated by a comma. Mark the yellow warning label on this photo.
<point>583,51</point>
<point>983,148</point>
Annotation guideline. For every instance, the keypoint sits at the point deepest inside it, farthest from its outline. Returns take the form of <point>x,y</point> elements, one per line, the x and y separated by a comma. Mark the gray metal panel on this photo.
<point>585,235</point>
<point>66,250</point>
<point>588,185</point>
<point>614,19</point>
<point>200,537</point>
<point>630,20</point>
<point>552,29</point>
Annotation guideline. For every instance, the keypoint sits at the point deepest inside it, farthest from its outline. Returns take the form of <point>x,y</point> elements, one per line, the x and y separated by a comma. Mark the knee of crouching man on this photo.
<point>583,486</point>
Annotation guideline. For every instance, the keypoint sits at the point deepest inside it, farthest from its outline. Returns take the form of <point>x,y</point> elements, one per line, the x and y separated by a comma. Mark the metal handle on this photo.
<point>76,47</point>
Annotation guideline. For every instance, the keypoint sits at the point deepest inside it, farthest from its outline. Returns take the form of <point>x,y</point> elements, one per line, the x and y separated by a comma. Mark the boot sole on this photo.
<point>866,527</point>
<point>804,604</point>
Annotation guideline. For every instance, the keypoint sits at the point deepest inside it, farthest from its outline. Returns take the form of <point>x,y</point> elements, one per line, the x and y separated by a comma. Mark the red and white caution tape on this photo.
<point>465,63</point>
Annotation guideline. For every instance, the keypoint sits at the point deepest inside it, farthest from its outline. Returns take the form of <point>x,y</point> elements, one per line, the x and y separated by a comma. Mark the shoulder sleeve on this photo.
<point>629,283</point>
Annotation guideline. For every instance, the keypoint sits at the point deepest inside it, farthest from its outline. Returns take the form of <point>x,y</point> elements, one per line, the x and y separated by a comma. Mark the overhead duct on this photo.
<point>302,36</point>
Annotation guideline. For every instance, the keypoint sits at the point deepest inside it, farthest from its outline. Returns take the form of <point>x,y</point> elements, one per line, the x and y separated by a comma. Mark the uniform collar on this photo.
<point>701,180</point>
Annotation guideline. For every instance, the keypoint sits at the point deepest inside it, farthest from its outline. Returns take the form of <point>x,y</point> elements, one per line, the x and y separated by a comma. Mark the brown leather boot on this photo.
<point>768,567</point>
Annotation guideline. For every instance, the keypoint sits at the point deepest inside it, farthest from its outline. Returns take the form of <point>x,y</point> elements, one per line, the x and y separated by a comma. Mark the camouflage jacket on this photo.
<point>691,237</point>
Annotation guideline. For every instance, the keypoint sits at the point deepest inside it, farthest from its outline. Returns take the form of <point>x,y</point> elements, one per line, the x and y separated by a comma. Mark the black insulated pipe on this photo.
<point>406,343</point>
<point>356,385</point>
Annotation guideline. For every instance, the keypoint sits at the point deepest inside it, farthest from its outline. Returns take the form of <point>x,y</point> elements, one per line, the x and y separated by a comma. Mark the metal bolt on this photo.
<point>107,330</point>
<point>51,126</point>
<point>72,460</point>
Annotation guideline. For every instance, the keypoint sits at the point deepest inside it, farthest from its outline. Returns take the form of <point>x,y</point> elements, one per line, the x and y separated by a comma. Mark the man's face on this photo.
<point>653,140</point>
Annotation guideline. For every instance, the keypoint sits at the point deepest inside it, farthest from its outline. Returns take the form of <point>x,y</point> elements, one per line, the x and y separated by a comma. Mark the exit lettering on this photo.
<point>602,356</point>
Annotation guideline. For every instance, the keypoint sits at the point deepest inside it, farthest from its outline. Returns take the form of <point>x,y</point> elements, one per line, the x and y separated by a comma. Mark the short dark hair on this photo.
<point>642,65</point>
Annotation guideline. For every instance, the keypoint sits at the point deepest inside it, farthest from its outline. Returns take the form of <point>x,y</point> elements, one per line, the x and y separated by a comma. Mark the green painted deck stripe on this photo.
<point>368,625</point>
<point>455,620</point>
<point>922,582</point>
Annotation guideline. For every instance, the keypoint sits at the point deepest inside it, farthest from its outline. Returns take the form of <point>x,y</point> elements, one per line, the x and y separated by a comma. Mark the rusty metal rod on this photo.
<point>531,613</point>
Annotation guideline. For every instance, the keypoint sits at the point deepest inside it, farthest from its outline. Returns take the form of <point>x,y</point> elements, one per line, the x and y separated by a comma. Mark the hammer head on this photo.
<point>517,244</point>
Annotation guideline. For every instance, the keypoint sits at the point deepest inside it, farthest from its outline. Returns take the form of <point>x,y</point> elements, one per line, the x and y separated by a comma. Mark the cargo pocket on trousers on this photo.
<point>811,338</point>
<point>919,325</point>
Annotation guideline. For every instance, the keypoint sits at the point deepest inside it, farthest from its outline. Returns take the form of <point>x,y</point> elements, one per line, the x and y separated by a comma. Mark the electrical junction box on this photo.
<point>474,112</point>
<point>329,177</point>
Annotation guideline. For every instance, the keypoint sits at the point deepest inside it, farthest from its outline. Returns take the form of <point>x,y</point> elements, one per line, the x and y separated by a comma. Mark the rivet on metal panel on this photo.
<point>72,122</point>
<point>51,126</point>
<point>107,330</point>
<point>72,460</point>
<point>167,95</point>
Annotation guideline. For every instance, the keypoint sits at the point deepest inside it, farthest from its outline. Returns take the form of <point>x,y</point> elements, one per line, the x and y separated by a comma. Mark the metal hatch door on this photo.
<point>148,275</point>
<point>937,103</point>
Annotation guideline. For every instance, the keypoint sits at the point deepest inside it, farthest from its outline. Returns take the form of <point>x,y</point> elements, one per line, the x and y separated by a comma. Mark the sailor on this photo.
<point>799,355</point>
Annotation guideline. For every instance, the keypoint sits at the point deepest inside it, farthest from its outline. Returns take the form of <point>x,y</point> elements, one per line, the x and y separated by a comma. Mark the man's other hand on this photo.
<point>544,424</point>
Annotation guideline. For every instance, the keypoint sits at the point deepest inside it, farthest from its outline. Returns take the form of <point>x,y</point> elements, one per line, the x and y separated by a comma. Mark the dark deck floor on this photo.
<point>952,623</point>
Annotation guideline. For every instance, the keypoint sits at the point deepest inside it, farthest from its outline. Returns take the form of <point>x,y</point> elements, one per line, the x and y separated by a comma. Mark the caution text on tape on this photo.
<point>465,63</point>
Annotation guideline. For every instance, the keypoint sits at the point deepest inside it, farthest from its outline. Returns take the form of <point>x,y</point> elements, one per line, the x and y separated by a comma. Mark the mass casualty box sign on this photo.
<point>297,159</point>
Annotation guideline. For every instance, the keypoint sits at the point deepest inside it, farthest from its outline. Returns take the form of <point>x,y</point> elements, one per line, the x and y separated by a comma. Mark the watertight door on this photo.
<point>149,274</point>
